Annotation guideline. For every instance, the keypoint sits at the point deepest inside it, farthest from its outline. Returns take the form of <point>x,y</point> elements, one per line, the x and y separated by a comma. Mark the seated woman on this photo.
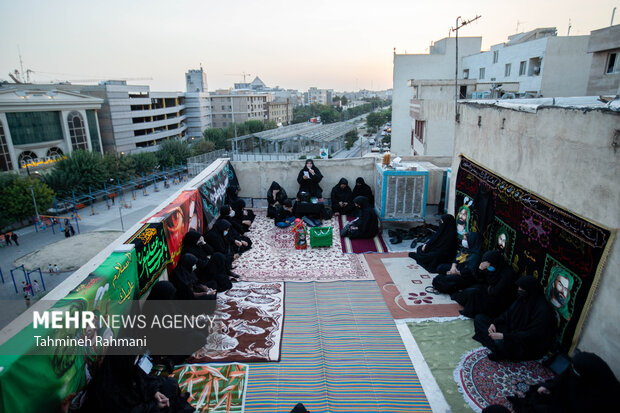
<point>276,195</point>
<point>362,189</point>
<point>185,281</point>
<point>232,194</point>
<point>342,198</point>
<point>587,385</point>
<point>526,331</point>
<point>242,216</point>
<point>462,272</point>
<point>495,290</point>
<point>219,240</point>
<point>122,386</point>
<point>211,266</point>
<point>284,214</point>
<point>309,178</point>
<point>242,243</point>
<point>303,207</point>
<point>440,248</point>
<point>366,225</point>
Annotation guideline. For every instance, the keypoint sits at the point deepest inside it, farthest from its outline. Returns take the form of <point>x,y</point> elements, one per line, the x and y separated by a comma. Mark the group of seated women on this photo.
<point>357,202</point>
<point>512,316</point>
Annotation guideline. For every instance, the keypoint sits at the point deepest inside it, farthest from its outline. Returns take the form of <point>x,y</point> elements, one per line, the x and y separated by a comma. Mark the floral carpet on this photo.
<point>273,257</point>
<point>484,382</point>
<point>248,325</point>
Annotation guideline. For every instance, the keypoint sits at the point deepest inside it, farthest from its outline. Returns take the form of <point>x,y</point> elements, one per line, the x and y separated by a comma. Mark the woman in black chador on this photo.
<point>276,195</point>
<point>342,198</point>
<point>362,189</point>
<point>186,282</point>
<point>366,226</point>
<point>462,272</point>
<point>587,385</point>
<point>495,289</point>
<point>440,248</point>
<point>526,331</point>
<point>309,178</point>
<point>211,271</point>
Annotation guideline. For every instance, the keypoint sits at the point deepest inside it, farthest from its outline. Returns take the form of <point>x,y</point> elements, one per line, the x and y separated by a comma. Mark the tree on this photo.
<point>17,198</point>
<point>144,162</point>
<point>202,146</point>
<point>255,126</point>
<point>118,167</point>
<point>172,152</point>
<point>217,136</point>
<point>344,100</point>
<point>350,138</point>
<point>270,124</point>
<point>374,119</point>
<point>81,170</point>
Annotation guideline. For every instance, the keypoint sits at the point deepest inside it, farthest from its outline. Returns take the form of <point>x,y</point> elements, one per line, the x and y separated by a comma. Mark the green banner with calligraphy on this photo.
<point>151,254</point>
<point>53,373</point>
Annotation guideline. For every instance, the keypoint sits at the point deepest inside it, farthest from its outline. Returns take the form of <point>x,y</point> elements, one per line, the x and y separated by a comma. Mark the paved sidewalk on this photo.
<point>31,241</point>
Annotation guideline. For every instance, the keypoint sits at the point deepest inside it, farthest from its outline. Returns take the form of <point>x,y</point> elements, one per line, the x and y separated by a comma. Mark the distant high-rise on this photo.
<point>196,81</point>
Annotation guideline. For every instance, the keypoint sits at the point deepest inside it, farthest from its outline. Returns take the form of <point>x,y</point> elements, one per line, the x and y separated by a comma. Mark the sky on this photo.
<point>343,45</point>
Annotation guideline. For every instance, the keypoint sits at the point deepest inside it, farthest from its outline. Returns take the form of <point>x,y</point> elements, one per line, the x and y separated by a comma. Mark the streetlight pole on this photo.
<point>456,66</point>
<point>34,201</point>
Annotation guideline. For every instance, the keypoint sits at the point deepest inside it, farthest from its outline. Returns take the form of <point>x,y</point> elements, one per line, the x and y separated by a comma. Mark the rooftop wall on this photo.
<point>566,156</point>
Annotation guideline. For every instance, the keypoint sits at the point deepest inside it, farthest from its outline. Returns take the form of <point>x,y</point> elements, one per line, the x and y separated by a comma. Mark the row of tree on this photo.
<point>331,114</point>
<point>219,137</point>
<point>375,120</point>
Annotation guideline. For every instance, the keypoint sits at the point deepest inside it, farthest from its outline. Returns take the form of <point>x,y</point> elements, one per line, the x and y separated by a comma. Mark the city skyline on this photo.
<point>343,46</point>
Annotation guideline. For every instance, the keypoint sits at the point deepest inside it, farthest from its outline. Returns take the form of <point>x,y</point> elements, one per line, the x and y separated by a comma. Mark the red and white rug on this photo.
<point>248,325</point>
<point>273,257</point>
<point>484,382</point>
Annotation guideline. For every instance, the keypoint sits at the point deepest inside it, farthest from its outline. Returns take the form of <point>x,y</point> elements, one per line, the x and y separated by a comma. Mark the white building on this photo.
<point>197,104</point>
<point>134,119</point>
<point>238,106</point>
<point>604,45</point>
<point>438,64</point>
<point>535,63</point>
<point>318,96</point>
<point>39,126</point>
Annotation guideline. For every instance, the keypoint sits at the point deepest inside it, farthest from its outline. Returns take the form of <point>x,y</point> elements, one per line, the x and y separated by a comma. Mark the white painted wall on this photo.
<point>438,64</point>
<point>566,67</point>
<point>564,155</point>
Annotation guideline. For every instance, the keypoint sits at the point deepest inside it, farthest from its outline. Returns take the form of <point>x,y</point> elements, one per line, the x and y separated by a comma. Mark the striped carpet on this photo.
<point>341,352</point>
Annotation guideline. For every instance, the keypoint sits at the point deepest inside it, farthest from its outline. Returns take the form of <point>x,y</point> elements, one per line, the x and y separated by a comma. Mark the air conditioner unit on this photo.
<point>400,195</point>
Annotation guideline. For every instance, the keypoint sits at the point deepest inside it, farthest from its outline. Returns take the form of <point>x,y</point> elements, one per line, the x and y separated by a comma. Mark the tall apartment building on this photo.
<point>281,112</point>
<point>133,117</point>
<point>197,103</point>
<point>438,64</point>
<point>535,63</point>
<point>604,77</point>
<point>318,96</point>
<point>39,124</point>
<point>238,106</point>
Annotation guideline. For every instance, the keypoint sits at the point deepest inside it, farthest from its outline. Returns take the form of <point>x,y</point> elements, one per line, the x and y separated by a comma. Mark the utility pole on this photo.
<point>34,201</point>
<point>456,66</point>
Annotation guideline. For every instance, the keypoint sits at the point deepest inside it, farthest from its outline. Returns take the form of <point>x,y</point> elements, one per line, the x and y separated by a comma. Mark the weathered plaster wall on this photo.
<point>567,157</point>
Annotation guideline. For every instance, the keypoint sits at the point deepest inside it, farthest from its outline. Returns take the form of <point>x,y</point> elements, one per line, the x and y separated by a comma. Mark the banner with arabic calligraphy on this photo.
<point>179,216</point>
<point>564,251</point>
<point>213,191</point>
<point>52,373</point>
<point>151,254</point>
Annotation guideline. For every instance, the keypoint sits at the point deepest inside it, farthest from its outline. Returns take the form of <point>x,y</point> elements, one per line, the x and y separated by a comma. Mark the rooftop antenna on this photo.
<point>569,26</point>
<point>613,13</point>
<point>519,23</point>
<point>21,64</point>
<point>456,66</point>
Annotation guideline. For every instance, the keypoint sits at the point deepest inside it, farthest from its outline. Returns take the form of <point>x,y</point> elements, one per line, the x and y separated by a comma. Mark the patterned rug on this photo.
<point>214,387</point>
<point>341,352</point>
<point>248,325</point>
<point>359,246</point>
<point>484,382</point>
<point>273,257</point>
<point>407,287</point>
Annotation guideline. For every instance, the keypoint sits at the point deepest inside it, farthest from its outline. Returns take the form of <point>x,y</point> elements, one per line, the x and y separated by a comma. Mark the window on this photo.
<point>34,127</point>
<point>26,157</point>
<point>507,69</point>
<point>419,130</point>
<point>612,63</point>
<point>77,132</point>
<point>481,73</point>
<point>5,155</point>
<point>54,151</point>
<point>522,68</point>
<point>495,56</point>
<point>466,74</point>
<point>534,66</point>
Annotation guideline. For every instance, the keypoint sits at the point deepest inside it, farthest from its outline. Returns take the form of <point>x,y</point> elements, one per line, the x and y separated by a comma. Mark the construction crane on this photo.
<point>17,78</point>
<point>239,74</point>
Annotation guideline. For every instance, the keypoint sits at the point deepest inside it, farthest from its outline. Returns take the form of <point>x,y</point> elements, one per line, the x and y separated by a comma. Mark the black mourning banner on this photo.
<point>152,254</point>
<point>213,191</point>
